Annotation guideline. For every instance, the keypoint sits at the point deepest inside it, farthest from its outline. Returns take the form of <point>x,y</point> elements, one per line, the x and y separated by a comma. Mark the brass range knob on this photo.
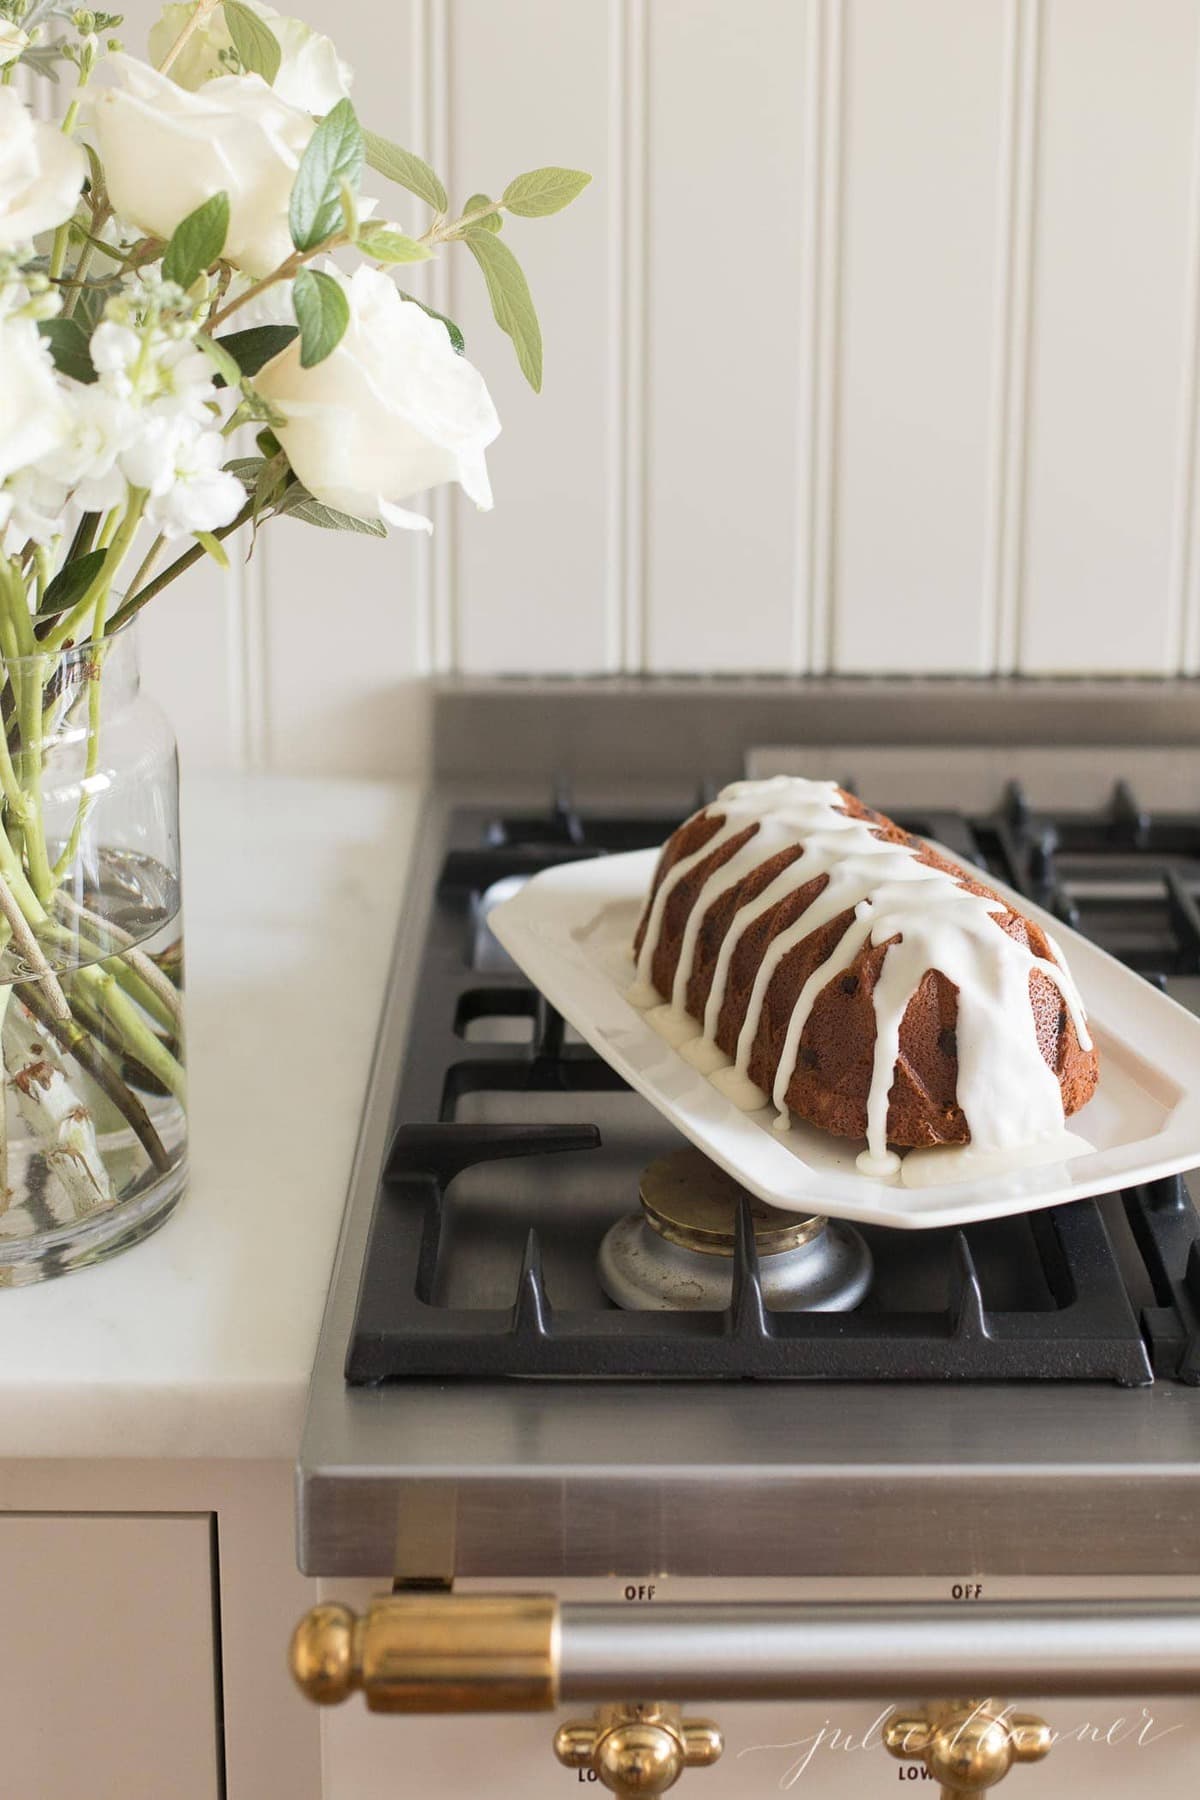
<point>967,1745</point>
<point>638,1747</point>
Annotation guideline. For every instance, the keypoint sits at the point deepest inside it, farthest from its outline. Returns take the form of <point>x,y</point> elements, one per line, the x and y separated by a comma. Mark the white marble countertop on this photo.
<point>199,1342</point>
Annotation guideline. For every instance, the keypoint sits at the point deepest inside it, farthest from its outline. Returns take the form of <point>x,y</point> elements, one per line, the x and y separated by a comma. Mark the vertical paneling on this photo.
<point>874,346</point>
<point>921,258</point>
<point>1011,359</point>
<point>817,422</point>
<point>625,541</point>
<point>1185,573</point>
<point>530,85</point>
<point>1108,358</point>
<point>343,674</point>
<point>347,630</point>
<point>191,650</point>
<point>726,298</point>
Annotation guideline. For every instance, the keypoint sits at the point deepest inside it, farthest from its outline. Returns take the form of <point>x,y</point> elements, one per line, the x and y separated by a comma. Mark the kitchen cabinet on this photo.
<point>110,1685</point>
<point>150,1407</point>
<point>155,1601</point>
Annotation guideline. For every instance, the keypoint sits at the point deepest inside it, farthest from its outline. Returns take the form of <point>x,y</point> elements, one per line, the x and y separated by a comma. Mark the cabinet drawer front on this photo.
<point>110,1683</point>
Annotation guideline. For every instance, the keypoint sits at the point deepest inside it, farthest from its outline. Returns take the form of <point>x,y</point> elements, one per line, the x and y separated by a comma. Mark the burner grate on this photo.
<point>1089,1333</point>
<point>494,1081</point>
<point>1167,1232</point>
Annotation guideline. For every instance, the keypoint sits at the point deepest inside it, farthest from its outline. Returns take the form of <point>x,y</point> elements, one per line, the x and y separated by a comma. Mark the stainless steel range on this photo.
<point>602,1432</point>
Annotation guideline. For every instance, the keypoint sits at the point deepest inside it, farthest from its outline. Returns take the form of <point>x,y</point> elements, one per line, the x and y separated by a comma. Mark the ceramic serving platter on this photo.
<point>570,929</point>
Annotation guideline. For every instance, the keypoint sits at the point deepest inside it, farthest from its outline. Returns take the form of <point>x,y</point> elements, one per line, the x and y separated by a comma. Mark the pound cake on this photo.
<point>803,949</point>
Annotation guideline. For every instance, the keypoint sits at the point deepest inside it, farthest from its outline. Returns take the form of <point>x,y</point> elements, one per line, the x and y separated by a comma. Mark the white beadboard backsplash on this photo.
<point>872,348</point>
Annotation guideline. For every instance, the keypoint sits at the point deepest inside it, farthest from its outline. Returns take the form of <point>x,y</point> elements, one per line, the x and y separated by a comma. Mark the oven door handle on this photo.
<point>454,1652</point>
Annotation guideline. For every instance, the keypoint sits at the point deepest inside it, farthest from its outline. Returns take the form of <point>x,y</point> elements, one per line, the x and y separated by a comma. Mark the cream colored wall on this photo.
<point>872,347</point>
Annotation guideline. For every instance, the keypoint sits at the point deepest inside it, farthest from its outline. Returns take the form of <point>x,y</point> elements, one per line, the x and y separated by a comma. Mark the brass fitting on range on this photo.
<point>440,1652</point>
<point>967,1745</point>
<point>639,1747</point>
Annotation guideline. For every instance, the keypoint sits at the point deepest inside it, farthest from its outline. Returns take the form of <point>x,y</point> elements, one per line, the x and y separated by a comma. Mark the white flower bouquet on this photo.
<point>201,330</point>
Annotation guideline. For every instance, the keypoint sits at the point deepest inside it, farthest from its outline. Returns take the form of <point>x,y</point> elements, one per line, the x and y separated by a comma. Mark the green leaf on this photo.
<point>490,221</point>
<point>264,478</point>
<point>214,547</point>
<point>322,313</point>
<point>197,241</point>
<point>253,349</point>
<point>228,372</point>
<point>95,169</point>
<point>71,583</point>
<point>406,170</point>
<point>544,191</point>
<point>256,44</point>
<point>457,341</point>
<point>332,156</point>
<point>298,503</point>
<point>392,247</point>
<point>247,469</point>
<point>91,299</point>
<point>512,303</point>
<point>349,206</point>
<point>80,236</point>
<point>271,483</point>
<point>69,348</point>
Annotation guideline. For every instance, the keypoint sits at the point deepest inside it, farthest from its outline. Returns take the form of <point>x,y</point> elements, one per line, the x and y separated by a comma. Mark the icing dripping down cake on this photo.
<point>800,948</point>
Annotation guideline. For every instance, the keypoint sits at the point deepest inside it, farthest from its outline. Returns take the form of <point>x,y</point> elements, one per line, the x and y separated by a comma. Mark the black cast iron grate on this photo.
<point>480,1261</point>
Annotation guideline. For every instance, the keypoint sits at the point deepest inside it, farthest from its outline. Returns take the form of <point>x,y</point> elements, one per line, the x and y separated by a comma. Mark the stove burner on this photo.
<point>678,1254</point>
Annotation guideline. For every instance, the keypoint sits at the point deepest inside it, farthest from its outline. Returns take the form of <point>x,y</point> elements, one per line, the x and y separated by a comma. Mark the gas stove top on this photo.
<point>507,1212</point>
<point>1019,1397</point>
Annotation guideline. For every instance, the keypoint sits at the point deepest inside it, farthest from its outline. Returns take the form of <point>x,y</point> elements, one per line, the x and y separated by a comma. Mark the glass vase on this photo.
<point>93,1127</point>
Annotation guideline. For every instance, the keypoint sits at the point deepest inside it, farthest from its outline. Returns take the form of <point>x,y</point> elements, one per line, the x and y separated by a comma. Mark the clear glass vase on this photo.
<point>93,1128</point>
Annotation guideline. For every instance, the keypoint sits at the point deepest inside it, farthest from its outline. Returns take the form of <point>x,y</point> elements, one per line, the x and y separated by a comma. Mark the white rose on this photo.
<point>41,173</point>
<point>165,151</point>
<point>33,416</point>
<point>12,42</point>
<point>311,74</point>
<point>393,411</point>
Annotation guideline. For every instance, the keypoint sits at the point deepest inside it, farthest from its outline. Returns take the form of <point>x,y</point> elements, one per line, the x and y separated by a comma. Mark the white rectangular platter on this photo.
<point>570,929</point>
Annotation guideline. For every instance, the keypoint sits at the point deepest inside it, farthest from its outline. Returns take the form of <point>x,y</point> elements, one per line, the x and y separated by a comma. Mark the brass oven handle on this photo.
<point>428,1653</point>
<point>452,1652</point>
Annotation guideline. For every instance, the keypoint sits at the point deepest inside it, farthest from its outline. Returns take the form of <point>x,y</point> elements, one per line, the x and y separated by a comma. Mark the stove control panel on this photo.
<point>1112,1747</point>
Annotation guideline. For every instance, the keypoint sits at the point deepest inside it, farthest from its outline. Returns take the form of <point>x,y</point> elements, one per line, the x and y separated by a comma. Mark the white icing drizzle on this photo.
<point>1006,1090</point>
<point>941,1164</point>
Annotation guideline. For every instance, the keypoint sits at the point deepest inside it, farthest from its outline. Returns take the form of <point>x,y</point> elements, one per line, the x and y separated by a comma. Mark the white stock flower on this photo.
<point>41,173</point>
<point>311,74</point>
<point>33,418</point>
<point>180,467</point>
<point>170,375</point>
<point>12,42</point>
<point>101,425</point>
<point>166,150</point>
<point>32,505</point>
<point>392,412</point>
<point>114,350</point>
